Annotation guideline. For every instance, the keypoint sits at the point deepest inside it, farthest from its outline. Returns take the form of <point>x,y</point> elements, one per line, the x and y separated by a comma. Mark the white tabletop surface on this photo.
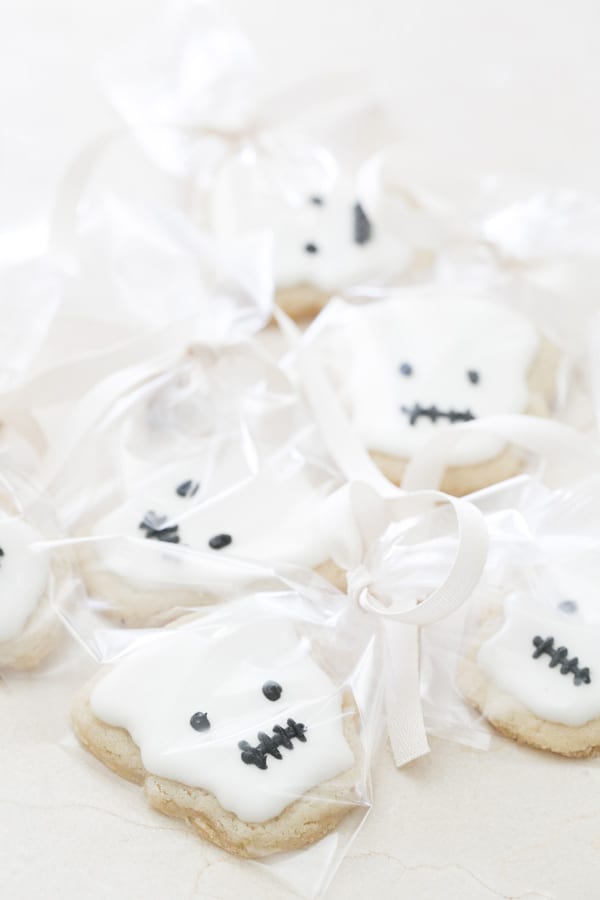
<point>490,86</point>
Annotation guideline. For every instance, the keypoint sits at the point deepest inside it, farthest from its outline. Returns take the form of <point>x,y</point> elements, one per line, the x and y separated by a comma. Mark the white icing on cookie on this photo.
<point>431,361</point>
<point>507,659</point>
<point>270,517</point>
<point>23,575</point>
<point>155,691</point>
<point>320,237</point>
<point>571,585</point>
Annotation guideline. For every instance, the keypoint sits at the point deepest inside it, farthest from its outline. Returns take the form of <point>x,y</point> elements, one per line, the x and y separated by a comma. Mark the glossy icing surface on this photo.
<point>156,691</point>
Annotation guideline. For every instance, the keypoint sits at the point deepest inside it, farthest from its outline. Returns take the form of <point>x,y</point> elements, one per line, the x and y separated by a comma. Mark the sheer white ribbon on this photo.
<point>370,507</point>
<point>559,447</point>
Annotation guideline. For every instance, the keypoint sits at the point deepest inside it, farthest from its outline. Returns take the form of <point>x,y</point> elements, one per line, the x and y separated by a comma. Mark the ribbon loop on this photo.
<point>373,503</point>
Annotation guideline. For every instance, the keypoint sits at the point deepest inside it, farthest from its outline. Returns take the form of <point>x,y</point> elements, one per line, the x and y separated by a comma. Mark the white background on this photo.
<point>476,85</point>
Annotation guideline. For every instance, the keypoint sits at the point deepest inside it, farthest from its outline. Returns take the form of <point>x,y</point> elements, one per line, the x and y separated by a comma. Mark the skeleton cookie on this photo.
<point>409,367</point>
<point>534,676</point>
<point>27,627</point>
<point>268,517</point>
<point>238,730</point>
<point>324,239</point>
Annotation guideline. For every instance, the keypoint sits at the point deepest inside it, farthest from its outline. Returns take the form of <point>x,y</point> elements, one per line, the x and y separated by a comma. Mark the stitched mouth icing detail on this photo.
<point>433,413</point>
<point>559,658</point>
<point>268,745</point>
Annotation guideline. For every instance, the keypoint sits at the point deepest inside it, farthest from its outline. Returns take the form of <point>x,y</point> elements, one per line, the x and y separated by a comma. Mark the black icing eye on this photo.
<point>406,369</point>
<point>311,248</point>
<point>199,721</point>
<point>219,541</point>
<point>473,376</point>
<point>316,200</point>
<point>187,488</point>
<point>272,690</point>
<point>362,228</point>
<point>568,606</point>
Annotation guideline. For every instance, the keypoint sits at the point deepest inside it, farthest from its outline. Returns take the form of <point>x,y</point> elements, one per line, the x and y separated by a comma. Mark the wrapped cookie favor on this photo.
<point>136,284</point>
<point>204,468</point>
<point>303,163</point>
<point>256,723</point>
<point>411,369</point>
<point>529,660</point>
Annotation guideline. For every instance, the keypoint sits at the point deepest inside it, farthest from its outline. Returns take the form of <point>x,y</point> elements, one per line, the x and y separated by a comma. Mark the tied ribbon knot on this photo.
<point>404,715</point>
<point>359,584</point>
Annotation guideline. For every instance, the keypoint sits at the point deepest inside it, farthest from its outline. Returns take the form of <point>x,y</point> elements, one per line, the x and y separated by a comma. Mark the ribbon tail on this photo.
<point>406,729</point>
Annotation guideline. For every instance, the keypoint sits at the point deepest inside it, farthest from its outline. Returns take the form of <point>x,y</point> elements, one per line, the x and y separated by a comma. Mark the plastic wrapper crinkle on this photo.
<point>307,165</point>
<point>539,226</point>
<point>126,284</point>
<point>529,660</point>
<point>36,577</point>
<point>191,466</point>
<point>256,722</point>
<point>427,373</point>
<point>545,235</point>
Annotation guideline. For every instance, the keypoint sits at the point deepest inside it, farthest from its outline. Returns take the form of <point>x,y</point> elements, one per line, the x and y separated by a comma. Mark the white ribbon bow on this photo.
<point>369,509</point>
<point>367,515</point>
<point>555,443</point>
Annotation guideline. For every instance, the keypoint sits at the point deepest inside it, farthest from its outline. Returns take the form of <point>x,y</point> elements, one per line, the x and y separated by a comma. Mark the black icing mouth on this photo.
<point>559,657</point>
<point>433,413</point>
<point>156,528</point>
<point>268,745</point>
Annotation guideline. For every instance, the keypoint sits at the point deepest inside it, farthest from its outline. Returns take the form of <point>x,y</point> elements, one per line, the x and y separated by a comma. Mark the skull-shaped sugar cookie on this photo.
<point>27,628</point>
<point>408,367</point>
<point>325,240</point>
<point>235,728</point>
<point>534,674</point>
<point>154,566</point>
